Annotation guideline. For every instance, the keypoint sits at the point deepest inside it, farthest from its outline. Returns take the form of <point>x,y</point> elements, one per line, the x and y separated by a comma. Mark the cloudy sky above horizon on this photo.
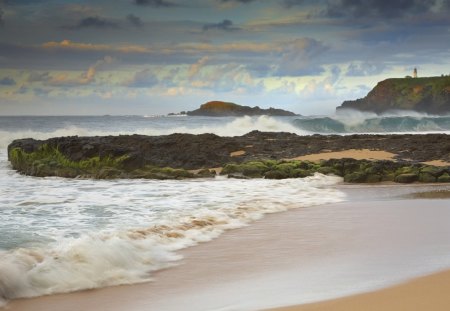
<point>159,56</point>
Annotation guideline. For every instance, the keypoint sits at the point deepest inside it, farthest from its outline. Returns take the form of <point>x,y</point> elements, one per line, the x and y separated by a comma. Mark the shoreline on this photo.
<point>428,292</point>
<point>265,264</point>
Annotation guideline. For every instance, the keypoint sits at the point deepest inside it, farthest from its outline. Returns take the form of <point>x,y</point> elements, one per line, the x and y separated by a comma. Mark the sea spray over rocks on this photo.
<point>141,231</point>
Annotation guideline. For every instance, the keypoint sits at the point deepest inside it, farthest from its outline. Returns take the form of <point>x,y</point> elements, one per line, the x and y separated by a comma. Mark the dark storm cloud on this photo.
<point>237,1</point>
<point>1,18</point>
<point>24,2</point>
<point>93,22</point>
<point>7,81</point>
<point>134,20</point>
<point>377,8</point>
<point>225,25</point>
<point>155,3</point>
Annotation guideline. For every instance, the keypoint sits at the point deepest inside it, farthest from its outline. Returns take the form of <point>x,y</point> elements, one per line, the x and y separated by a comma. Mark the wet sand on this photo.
<point>425,293</point>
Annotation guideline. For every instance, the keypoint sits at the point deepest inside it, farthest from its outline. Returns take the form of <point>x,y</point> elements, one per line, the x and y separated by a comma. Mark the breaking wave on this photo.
<point>363,122</point>
<point>141,233</point>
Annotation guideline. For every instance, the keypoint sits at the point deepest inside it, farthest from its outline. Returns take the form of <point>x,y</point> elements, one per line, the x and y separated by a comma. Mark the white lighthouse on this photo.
<point>415,73</point>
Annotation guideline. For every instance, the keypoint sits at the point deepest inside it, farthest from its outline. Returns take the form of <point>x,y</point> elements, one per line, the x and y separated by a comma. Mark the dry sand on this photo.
<point>425,293</point>
<point>357,154</point>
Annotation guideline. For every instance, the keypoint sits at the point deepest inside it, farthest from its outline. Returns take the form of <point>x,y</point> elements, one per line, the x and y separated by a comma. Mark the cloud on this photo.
<point>93,22</point>
<point>2,22</point>
<point>195,68</point>
<point>7,81</point>
<point>376,8</point>
<point>237,1</point>
<point>134,20</point>
<point>143,79</point>
<point>69,45</point>
<point>64,79</point>
<point>300,57</point>
<point>291,3</point>
<point>225,25</point>
<point>155,3</point>
<point>364,69</point>
<point>39,77</point>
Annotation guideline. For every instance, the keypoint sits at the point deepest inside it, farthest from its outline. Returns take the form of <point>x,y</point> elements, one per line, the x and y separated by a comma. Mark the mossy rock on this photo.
<point>204,173</point>
<point>373,178</point>
<point>230,169</point>
<point>388,177</point>
<point>426,177</point>
<point>406,178</point>
<point>327,170</point>
<point>444,178</point>
<point>108,173</point>
<point>301,173</point>
<point>431,170</point>
<point>405,170</point>
<point>254,169</point>
<point>355,177</point>
<point>276,174</point>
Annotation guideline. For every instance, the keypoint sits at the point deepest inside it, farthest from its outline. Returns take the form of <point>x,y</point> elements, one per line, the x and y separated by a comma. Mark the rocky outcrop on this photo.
<point>225,109</point>
<point>255,154</point>
<point>430,95</point>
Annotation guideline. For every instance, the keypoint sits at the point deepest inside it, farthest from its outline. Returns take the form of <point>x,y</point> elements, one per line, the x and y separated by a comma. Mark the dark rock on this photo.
<point>406,178</point>
<point>264,152</point>
<point>224,109</point>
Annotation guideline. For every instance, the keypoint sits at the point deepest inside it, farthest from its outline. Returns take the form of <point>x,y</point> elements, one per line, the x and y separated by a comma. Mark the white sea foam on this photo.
<point>223,127</point>
<point>92,234</point>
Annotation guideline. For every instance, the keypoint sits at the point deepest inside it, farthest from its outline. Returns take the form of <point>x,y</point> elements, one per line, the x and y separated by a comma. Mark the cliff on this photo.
<point>430,95</point>
<point>225,109</point>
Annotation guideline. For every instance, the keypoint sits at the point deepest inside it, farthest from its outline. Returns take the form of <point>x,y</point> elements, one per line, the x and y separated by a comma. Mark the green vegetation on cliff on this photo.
<point>223,109</point>
<point>429,95</point>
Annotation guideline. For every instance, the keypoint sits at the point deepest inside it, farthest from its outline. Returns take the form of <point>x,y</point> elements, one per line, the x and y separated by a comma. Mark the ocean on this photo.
<point>62,235</point>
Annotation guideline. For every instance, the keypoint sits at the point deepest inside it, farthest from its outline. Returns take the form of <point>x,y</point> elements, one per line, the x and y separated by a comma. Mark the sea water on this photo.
<point>62,235</point>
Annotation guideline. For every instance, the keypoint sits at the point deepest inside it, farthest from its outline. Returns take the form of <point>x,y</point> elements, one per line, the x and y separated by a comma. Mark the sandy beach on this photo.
<point>299,257</point>
<point>425,293</point>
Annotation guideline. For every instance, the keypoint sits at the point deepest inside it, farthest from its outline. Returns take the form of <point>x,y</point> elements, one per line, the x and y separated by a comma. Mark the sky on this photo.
<point>151,57</point>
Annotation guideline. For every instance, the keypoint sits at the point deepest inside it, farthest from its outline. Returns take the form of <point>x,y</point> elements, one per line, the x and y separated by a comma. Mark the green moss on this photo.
<point>444,178</point>
<point>49,161</point>
<point>249,169</point>
<point>406,178</point>
<point>426,177</point>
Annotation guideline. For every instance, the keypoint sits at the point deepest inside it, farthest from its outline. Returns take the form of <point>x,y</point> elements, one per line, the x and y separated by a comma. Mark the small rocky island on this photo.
<point>226,109</point>
<point>254,155</point>
<point>429,95</point>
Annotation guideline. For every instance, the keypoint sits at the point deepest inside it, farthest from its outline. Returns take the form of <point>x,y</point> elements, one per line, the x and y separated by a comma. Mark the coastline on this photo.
<point>265,264</point>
